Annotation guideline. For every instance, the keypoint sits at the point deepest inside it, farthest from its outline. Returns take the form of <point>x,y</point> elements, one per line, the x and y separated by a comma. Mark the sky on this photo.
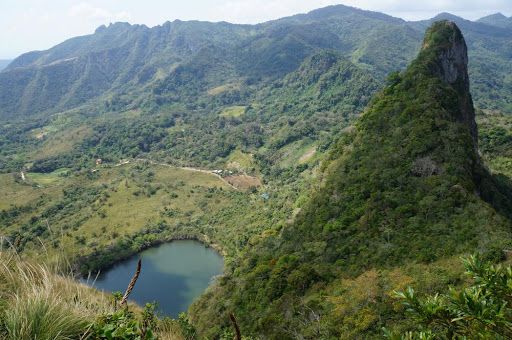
<point>27,25</point>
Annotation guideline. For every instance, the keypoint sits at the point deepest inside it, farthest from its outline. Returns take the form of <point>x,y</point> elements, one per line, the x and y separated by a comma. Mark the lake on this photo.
<point>173,275</point>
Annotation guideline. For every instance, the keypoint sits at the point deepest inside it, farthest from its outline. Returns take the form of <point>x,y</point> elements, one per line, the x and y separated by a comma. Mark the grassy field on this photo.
<point>299,152</point>
<point>125,198</point>
<point>81,212</point>
<point>53,178</point>
<point>223,88</point>
<point>14,192</point>
<point>240,160</point>
<point>172,195</point>
<point>233,111</point>
<point>61,142</point>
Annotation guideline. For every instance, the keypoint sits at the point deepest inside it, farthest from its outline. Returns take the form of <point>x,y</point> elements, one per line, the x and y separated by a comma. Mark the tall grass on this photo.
<point>38,316</point>
<point>35,303</point>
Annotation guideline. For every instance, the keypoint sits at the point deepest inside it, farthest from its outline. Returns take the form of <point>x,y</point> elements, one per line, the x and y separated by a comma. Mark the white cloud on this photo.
<point>87,11</point>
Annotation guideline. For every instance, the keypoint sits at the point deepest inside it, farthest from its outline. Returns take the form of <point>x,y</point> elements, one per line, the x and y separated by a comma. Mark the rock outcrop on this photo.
<point>447,52</point>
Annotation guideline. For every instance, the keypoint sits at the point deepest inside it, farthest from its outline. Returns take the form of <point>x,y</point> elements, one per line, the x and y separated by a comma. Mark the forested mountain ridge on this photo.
<point>134,60</point>
<point>106,62</point>
<point>407,186</point>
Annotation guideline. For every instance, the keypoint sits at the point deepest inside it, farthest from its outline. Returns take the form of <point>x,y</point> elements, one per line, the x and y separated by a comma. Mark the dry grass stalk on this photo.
<point>132,283</point>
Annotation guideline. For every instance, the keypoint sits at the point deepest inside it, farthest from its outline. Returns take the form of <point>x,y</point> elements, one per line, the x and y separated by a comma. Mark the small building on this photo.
<point>99,161</point>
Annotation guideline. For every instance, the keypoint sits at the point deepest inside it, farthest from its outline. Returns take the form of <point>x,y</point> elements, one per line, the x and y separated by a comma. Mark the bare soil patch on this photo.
<point>243,181</point>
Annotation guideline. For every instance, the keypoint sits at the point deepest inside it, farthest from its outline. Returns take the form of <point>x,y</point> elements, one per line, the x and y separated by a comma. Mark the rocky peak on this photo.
<point>445,53</point>
<point>446,45</point>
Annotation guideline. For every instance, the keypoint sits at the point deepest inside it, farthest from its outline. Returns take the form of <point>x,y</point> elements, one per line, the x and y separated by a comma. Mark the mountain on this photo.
<point>111,60</point>
<point>497,19</point>
<point>143,68</point>
<point>4,63</point>
<point>402,194</point>
<point>122,59</point>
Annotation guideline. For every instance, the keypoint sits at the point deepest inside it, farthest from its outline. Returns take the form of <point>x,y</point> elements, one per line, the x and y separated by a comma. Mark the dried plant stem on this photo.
<point>132,283</point>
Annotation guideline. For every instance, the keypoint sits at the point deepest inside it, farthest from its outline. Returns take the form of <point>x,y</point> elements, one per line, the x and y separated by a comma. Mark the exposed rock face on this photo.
<point>451,65</point>
<point>454,59</point>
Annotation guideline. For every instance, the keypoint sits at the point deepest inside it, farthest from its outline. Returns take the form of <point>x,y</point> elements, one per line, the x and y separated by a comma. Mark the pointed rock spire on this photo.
<point>445,53</point>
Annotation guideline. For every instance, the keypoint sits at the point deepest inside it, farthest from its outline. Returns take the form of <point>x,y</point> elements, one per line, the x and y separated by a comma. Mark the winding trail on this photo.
<point>209,172</point>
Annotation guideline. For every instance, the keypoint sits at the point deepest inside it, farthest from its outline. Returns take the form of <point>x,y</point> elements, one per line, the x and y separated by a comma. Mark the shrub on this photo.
<point>37,304</point>
<point>480,311</point>
<point>122,324</point>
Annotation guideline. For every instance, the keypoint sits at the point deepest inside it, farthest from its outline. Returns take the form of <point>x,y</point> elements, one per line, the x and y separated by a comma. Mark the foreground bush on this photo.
<point>481,311</point>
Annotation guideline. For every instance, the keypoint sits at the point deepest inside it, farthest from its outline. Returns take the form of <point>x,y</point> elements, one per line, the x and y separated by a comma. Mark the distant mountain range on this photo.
<point>151,66</point>
<point>497,19</point>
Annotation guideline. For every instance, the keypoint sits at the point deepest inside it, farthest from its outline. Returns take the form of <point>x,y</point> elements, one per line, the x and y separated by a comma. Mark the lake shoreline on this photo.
<point>173,275</point>
<point>131,253</point>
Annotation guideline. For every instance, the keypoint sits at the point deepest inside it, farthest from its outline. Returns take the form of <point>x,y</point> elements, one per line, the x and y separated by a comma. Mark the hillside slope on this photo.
<point>402,194</point>
<point>112,60</point>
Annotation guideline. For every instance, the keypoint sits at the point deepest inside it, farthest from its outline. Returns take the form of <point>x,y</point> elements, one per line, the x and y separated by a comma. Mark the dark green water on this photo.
<point>173,275</point>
